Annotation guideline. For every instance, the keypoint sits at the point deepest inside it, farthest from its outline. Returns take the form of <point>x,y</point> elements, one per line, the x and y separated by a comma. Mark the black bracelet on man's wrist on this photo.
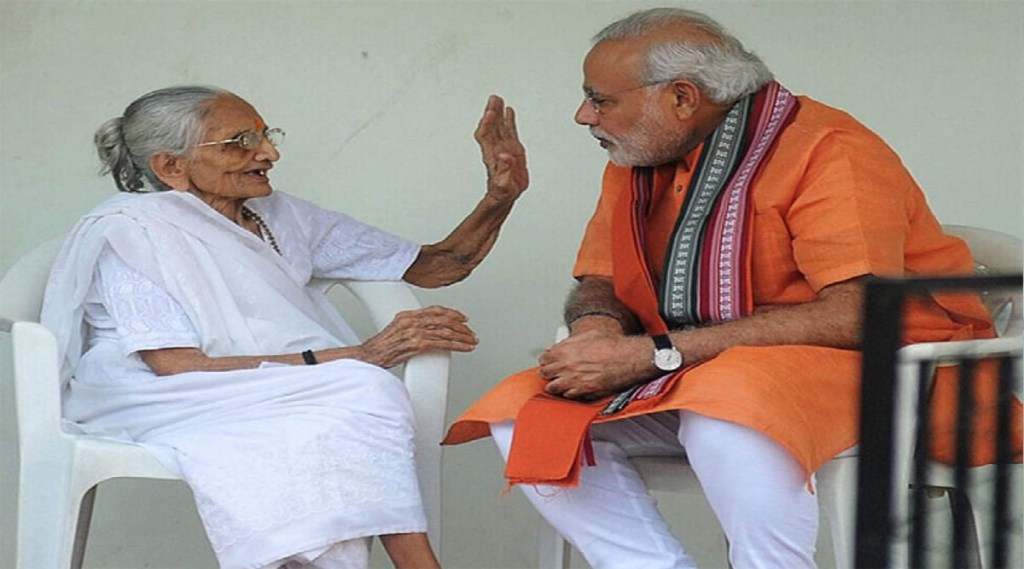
<point>606,313</point>
<point>309,358</point>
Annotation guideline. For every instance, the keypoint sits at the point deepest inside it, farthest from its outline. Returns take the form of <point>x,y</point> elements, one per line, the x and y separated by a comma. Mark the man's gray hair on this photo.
<point>167,120</point>
<point>722,68</point>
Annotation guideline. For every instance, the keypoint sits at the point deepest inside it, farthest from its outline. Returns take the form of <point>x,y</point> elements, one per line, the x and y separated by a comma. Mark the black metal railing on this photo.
<point>880,521</point>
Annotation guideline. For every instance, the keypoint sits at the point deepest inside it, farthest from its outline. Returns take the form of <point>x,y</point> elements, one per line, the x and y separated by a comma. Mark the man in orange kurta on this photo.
<point>760,400</point>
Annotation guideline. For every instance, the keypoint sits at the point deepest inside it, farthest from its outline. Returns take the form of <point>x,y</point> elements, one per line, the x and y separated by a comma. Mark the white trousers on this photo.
<point>756,489</point>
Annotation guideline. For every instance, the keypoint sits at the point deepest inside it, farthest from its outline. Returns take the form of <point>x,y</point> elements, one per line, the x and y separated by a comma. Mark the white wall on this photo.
<point>380,99</point>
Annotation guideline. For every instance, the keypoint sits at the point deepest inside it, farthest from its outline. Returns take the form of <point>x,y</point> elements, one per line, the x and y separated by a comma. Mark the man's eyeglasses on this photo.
<point>599,101</point>
<point>251,140</point>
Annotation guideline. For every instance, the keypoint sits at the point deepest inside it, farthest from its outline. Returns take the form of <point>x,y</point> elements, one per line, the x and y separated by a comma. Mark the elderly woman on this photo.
<point>186,323</point>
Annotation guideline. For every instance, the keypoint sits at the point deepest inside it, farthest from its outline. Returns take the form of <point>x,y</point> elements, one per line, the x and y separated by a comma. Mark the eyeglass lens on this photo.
<point>252,140</point>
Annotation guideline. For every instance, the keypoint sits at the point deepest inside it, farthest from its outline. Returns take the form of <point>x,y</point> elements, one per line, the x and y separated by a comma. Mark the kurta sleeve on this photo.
<point>334,244</point>
<point>595,253</point>
<point>351,249</point>
<point>133,309</point>
<point>850,217</point>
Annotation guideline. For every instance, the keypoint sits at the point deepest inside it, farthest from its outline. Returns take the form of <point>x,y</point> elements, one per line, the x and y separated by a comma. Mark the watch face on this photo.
<point>668,359</point>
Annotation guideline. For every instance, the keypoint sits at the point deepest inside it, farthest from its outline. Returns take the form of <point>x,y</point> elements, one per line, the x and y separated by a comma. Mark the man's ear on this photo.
<point>687,98</point>
<point>171,170</point>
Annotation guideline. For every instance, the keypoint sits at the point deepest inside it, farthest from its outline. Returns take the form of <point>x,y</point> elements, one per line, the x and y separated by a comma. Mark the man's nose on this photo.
<point>586,115</point>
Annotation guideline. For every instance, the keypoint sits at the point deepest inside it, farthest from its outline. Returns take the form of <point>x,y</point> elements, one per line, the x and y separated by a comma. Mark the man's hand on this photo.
<point>593,364</point>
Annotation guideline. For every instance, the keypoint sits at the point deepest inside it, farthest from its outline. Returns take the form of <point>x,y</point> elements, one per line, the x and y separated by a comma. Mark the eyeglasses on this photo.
<point>251,140</point>
<point>598,100</point>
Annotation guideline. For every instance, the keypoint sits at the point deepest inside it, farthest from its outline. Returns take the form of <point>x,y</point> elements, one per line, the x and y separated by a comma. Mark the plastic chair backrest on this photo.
<point>22,285</point>
<point>996,252</point>
<point>37,407</point>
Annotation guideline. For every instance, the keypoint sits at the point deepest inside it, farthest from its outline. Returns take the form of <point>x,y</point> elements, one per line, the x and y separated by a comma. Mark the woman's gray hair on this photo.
<point>167,120</point>
<point>722,68</point>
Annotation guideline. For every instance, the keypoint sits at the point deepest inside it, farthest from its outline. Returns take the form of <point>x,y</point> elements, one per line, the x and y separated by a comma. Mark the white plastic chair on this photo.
<point>58,471</point>
<point>994,252</point>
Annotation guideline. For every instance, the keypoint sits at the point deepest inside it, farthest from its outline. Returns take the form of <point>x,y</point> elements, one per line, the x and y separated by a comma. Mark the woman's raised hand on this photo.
<point>503,154</point>
<point>454,257</point>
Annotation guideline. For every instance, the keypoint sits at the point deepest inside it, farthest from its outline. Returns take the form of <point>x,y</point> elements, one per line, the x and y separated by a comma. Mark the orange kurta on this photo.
<point>832,202</point>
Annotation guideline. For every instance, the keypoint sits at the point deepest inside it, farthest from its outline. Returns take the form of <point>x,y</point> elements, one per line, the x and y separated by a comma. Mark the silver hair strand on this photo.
<point>722,68</point>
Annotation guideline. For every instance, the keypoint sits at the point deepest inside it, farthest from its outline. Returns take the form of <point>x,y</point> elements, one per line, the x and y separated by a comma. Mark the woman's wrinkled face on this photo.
<point>226,171</point>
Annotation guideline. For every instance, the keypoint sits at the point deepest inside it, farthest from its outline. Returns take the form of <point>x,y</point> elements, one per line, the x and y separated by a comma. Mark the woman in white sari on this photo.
<point>186,323</point>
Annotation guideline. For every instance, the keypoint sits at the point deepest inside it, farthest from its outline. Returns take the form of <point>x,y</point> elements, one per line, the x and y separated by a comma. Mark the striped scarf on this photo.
<point>707,264</point>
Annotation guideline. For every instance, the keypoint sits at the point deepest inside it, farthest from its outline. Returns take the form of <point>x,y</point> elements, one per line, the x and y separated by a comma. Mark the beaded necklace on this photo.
<point>251,215</point>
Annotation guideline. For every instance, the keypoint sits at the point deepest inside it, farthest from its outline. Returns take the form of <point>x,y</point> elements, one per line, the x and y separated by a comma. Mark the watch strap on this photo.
<point>662,342</point>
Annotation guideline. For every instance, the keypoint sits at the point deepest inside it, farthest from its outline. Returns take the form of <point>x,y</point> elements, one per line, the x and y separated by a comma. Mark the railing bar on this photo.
<point>883,311</point>
<point>922,455</point>
<point>961,475</point>
<point>956,350</point>
<point>927,285</point>
<point>1004,457</point>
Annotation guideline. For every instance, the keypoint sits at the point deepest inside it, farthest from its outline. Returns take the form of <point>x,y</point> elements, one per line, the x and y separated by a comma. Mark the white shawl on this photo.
<point>242,298</point>
<point>281,459</point>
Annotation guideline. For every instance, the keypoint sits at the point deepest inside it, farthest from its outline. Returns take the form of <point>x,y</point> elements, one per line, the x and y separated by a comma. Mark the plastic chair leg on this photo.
<point>963,512</point>
<point>837,483</point>
<point>978,505</point>
<point>48,516</point>
<point>553,551</point>
<point>82,528</point>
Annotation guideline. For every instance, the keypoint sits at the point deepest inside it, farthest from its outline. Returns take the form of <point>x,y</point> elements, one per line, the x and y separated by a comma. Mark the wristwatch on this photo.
<point>666,356</point>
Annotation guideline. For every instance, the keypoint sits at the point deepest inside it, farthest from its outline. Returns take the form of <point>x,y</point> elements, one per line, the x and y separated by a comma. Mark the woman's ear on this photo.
<point>171,170</point>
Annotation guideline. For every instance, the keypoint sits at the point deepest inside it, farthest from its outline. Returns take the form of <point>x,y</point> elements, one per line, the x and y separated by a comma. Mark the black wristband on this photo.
<point>309,358</point>
<point>606,313</point>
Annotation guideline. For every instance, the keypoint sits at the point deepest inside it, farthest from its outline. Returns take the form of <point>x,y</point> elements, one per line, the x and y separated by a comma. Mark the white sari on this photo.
<point>281,459</point>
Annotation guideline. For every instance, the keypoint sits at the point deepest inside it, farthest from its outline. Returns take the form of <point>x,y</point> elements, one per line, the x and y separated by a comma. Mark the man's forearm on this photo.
<point>594,297</point>
<point>599,359</point>
<point>832,320</point>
